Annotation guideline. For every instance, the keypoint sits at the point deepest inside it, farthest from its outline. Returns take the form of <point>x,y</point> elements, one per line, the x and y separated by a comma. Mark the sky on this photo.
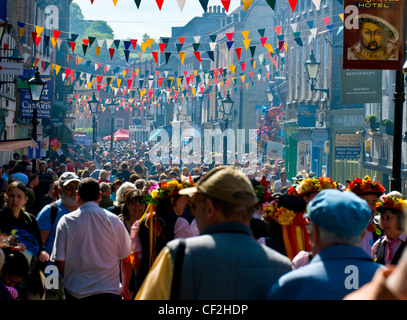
<point>128,22</point>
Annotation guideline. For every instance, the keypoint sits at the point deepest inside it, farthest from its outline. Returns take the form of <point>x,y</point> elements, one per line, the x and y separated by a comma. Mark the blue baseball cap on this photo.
<point>343,213</point>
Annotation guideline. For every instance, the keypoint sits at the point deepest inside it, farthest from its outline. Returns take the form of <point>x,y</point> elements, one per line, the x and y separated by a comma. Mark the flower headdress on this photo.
<point>160,191</point>
<point>292,223</point>
<point>365,186</point>
<point>312,185</point>
<point>391,202</point>
<point>167,189</point>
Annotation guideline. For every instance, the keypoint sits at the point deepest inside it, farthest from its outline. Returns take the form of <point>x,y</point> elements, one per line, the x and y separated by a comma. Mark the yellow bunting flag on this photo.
<point>182,56</point>
<point>232,68</point>
<point>97,50</point>
<point>245,34</point>
<point>247,4</point>
<point>149,42</point>
<point>119,82</point>
<point>57,68</point>
<point>269,47</point>
<point>90,85</point>
<point>38,30</point>
<point>144,46</point>
<point>246,43</point>
<point>115,2</point>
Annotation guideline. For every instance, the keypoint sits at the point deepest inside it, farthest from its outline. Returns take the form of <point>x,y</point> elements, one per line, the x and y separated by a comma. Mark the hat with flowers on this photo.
<point>167,189</point>
<point>365,186</point>
<point>288,212</point>
<point>309,185</point>
<point>390,202</point>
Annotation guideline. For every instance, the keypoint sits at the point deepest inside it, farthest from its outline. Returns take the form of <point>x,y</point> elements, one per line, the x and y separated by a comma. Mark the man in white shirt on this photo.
<point>283,182</point>
<point>91,246</point>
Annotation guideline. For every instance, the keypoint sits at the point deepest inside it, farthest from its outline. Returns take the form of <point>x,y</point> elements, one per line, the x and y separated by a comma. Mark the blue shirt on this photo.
<point>332,274</point>
<point>44,223</point>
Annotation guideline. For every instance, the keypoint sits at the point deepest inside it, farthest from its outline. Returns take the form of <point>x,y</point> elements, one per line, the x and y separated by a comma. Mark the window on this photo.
<point>118,124</point>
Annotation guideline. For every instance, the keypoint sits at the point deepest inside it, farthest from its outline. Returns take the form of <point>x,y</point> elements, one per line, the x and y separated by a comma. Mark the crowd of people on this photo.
<point>122,227</point>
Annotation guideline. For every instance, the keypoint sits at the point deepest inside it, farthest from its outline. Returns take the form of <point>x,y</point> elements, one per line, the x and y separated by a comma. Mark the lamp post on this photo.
<point>94,104</point>
<point>226,108</point>
<point>399,98</point>
<point>312,67</point>
<point>36,87</point>
<point>112,109</point>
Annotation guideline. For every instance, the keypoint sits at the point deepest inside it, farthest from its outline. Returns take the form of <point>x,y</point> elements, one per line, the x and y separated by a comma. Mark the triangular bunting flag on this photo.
<point>229,35</point>
<point>238,52</point>
<point>229,44</point>
<point>133,43</point>
<point>226,4</point>
<point>198,55</point>
<point>246,43</point>
<point>162,47</point>
<point>204,4</point>
<point>211,55</point>
<point>293,4</point>
<point>247,4</point>
<point>272,4</point>
<point>181,56</point>
<point>111,52</point>
<point>137,3</point>
<point>181,4</point>
<point>159,3</point>
<point>97,50</point>
<point>167,57</point>
<point>155,56</point>
<point>317,3</point>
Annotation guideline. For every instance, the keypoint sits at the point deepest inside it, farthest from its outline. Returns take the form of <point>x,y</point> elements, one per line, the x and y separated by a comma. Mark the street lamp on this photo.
<point>94,104</point>
<point>226,108</point>
<point>312,67</point>
<point>112,109</point>
<point>36,87</point>
<point>270,96</point>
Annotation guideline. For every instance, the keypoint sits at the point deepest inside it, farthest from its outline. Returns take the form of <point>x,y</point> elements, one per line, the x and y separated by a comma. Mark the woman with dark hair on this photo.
<point>15,221</point>
<point>133,208</point>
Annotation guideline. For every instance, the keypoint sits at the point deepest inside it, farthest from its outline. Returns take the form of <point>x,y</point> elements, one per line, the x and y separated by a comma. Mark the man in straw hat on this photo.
<point>224,255</point>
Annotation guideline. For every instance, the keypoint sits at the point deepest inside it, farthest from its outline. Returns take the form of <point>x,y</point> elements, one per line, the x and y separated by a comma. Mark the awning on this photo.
<point>8,145</point>
<point>121,134</point>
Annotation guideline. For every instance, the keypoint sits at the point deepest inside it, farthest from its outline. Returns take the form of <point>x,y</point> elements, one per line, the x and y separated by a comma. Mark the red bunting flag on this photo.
<point>162,47</point>
<point>159,3</point>
<point>198,55</point>
<point>226,4</point>
<point>181,40</point>
<point>73,44</point>
<point>238,52</point>
<point>111,51</point>
<point>56,34</point>
<point>160,81</point>
<point>133,43</point>
<point>155,56</point>
<point>293,4</point>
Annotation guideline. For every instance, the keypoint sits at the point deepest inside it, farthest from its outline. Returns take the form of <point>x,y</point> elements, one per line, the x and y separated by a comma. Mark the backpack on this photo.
<point>54,211</point>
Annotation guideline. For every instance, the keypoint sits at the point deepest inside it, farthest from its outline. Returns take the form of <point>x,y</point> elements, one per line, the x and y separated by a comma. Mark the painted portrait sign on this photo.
<point>374,32</point>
